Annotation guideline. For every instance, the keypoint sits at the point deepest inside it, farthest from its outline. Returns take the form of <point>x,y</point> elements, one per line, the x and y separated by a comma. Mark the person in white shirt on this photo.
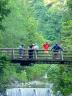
<point>36,48</point>
<point>21,51</point>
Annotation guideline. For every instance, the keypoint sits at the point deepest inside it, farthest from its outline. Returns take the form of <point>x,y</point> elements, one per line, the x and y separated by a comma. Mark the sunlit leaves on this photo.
<point>69,3</point>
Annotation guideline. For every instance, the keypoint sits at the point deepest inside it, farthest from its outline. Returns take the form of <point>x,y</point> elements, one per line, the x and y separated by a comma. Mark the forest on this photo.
<point>36,21</point>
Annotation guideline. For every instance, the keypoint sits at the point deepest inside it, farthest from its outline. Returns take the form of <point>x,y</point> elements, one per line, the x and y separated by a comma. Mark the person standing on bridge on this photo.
<point>57,52</point>
<point>36,48</point>
<point>31,51</point>
<point>21,51</point>
<point>46,47</point>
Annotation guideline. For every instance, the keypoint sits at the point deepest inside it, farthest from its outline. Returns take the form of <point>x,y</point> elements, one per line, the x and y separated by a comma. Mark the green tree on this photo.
<point>4,11</point>
<point>21,26</point>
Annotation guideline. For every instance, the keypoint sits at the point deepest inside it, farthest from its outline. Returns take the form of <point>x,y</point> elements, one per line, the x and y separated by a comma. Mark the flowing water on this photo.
<point>32,88</point>
<point>29,92</point>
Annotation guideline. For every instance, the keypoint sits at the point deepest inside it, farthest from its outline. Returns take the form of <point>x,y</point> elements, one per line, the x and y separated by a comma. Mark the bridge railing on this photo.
<point>13,53</point>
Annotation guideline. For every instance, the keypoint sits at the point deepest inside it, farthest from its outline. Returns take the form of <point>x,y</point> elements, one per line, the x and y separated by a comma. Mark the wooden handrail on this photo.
<point>14,53</point>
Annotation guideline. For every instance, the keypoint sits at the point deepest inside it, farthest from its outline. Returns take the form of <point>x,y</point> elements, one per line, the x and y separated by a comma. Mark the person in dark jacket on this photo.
<point>57,51</point>
<point>30,51</point>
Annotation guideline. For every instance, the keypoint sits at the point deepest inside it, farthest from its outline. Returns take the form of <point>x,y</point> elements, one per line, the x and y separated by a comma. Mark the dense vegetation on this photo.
<point>36,21</point>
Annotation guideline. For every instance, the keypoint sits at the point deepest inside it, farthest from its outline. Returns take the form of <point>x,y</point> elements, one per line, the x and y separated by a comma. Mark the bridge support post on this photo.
<point>13,54</point>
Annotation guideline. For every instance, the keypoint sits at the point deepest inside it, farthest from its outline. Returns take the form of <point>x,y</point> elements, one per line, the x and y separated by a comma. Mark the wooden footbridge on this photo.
<point>38,57</point>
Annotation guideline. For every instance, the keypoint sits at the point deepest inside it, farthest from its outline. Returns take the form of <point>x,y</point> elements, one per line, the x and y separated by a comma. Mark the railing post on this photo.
<point>62,55</point>
<point>13,54</point>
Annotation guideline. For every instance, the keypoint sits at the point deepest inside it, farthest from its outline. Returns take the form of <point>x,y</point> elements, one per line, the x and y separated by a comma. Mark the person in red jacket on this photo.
<point>46,47</point>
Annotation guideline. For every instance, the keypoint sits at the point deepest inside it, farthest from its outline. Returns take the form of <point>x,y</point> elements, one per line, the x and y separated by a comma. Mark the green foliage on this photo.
<point>61,76</point>
<point>69,3</point>
<point>49,21</point>
<point>9,74</point>
<point>67,28</point>
<point>21,26</point>
<point>36,72</point>
<point>4,11</point>
<point>27,22</point>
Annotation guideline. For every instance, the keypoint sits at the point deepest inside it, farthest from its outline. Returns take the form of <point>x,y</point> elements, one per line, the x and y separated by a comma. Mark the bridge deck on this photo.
<point>38,61</point>
<point>39,57</point>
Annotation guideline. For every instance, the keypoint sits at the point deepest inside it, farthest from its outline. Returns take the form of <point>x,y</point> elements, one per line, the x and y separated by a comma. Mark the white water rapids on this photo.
<point>29,92</point>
